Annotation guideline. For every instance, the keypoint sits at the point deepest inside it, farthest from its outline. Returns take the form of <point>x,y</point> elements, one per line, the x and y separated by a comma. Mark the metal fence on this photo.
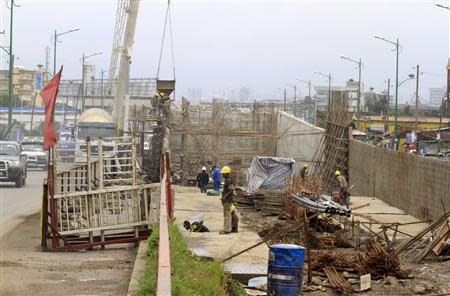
<point>102,201</point>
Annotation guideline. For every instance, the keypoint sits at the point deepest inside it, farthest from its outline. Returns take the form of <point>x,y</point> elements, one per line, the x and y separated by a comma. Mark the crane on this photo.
<point>125,27</point>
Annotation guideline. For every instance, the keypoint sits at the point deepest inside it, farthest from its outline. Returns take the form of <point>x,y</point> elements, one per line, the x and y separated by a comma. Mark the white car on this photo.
<point>36,156</point>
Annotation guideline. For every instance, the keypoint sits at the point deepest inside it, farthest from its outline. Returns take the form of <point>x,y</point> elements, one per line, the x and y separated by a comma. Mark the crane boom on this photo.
<point>124,68</point>
<point>121,16</point>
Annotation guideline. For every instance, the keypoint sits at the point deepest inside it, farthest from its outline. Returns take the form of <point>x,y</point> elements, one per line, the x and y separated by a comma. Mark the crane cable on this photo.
<point>168,18</point>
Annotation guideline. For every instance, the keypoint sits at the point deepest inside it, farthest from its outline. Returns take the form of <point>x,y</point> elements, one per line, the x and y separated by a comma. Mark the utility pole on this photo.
<point>329,90</point>
<point>295,99</point>
<point>309,101</point>
<point>285,103</point>
<point>102,94</point>
<point>397,47</point>
<point>388,105</point>
<point>11,66</point>
<point>55,40</point>
<point>32,112</point>
<point>417,99</point>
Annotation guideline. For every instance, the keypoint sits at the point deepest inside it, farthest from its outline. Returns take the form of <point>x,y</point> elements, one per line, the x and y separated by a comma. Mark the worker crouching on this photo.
<point>227,203</point>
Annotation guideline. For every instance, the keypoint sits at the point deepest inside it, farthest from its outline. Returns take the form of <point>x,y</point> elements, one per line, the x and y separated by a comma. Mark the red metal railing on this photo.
<point>163,284</point>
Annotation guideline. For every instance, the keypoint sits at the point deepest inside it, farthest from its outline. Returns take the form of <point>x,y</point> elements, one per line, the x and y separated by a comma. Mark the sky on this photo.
<point>260,44</point>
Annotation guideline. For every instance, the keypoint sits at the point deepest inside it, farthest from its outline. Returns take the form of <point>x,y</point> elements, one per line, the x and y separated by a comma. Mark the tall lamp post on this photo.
<point>358,62</point>
<point>397,46</point>
<point>294,87</point>
<point>309,96</point>
<point>55,40</point>
<point>329,85</point>
<point>11,63</point>
<point>83,61</point>
<point>443,6</point>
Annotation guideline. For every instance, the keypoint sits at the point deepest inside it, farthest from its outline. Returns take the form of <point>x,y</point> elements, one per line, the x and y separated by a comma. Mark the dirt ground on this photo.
<point>431,277</point>
<point>26,270</point>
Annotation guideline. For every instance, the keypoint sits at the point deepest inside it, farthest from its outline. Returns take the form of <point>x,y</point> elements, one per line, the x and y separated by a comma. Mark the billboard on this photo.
<point>38,81</point>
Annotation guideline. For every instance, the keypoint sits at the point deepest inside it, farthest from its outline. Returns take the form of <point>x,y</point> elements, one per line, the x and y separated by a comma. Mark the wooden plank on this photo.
<point>366,282</point>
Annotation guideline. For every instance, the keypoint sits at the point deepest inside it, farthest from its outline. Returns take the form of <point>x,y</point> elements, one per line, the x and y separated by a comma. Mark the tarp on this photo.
<point>269,172</point>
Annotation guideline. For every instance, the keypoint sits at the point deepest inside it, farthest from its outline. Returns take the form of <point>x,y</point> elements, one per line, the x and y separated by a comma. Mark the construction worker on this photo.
<point>216,177</point>
<point>203,180</point>
<point>343,188</point>
<point>304,172</point>
<point>227,200</point>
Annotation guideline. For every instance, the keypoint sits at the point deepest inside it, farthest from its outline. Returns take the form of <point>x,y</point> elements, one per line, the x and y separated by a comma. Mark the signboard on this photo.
<point>38,81</point>
<point>377,128</point>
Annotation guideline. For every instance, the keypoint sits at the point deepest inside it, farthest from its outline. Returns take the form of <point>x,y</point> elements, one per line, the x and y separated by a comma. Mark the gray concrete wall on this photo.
<point>416,184</point>
<point>298,139</point>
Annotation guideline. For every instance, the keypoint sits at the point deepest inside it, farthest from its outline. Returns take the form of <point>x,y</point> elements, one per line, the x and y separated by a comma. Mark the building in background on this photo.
<point>26,84</point>
<point>436,95</point>
<point>194,93</point>
<point>244,94</point>
<point>351,86</point>
<point>97,95</point>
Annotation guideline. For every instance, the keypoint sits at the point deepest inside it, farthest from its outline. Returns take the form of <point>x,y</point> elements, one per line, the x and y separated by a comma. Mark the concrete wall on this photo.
<point>415,184</point>
<point>298,139</point>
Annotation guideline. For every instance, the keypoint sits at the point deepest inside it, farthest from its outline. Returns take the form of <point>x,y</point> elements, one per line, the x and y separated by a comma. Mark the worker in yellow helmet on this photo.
<point>227,200</point>
<point>343,188</point>
<point>304,172</point>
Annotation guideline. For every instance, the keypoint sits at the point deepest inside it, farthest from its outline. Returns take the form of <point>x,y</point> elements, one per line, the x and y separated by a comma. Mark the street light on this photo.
<point>284,93</point>
<point>83,60</point>
<point>11,63</point>
<point>397,46</point>
<point>358,62</point>
<point>294,86</point>
<point>309,95</point>
<point>442,6</point>
<point>329,85</point>
<point>55,40</point>
<point>102,89</point>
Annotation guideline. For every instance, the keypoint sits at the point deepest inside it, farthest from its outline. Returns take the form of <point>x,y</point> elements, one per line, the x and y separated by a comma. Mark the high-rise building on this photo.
<point>194,93</point>
<point>244,94</point>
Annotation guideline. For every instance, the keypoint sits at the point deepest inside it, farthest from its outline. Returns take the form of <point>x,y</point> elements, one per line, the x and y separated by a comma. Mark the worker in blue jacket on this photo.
<point>216,178</point>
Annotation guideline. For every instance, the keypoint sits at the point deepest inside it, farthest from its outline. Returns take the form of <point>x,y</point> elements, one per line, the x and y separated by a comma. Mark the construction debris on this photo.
<point>379,262</point>
<point>270,202</point>
<point>337,281</point>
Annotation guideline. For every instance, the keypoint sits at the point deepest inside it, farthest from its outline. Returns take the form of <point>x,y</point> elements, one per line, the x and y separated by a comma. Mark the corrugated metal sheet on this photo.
<point>269,172</point>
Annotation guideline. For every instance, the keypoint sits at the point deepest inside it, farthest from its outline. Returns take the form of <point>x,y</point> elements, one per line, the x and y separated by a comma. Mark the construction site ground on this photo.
<point>431,277</point>
<point>189,201</point>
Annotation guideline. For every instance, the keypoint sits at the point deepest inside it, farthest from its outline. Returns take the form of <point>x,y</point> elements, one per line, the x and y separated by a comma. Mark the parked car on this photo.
<point>13,165</point>
<point>35,154</point>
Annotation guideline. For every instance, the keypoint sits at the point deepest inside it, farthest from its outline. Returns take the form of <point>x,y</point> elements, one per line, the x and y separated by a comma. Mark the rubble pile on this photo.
<point>288,232</point>
<point>379,262</point>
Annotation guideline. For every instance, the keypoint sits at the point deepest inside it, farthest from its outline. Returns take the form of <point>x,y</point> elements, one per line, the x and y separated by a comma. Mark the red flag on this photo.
<point>48,94</point>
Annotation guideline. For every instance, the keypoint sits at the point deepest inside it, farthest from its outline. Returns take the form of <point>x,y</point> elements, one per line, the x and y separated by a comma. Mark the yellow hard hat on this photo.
<point>337,173</point>
<point>226,170</point>
<point>306,165</point>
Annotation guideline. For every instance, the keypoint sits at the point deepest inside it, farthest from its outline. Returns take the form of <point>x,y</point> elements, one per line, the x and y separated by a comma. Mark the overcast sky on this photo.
<point>261,44</point>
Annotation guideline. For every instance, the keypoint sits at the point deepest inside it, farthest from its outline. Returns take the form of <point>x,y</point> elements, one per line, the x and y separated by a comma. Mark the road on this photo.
<point>26,270</point>
<point>18,203</point>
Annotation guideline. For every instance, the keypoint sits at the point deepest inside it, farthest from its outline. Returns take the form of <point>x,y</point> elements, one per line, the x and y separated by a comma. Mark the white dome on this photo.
<point>95,115</point>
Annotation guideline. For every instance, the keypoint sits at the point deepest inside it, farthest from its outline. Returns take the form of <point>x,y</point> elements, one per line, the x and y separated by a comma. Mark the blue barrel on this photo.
<point>285,272</point>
